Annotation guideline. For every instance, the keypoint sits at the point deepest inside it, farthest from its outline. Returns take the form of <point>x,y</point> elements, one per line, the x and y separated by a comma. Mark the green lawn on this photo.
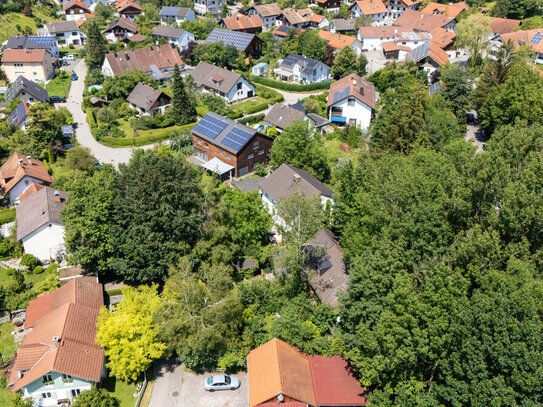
<point>59,87</point>
<point>9,22</point>
<point>7,346</point>
<point>531,23</point>
<point>5,397</point>
<point>334,151</point>
<point>123,391</point>
<point>67,50</point>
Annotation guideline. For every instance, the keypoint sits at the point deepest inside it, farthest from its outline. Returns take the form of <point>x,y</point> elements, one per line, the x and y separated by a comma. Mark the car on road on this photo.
<point>70,57</point>
<point>221,382</point>
<point>74,76</point>
<point>57,99</point>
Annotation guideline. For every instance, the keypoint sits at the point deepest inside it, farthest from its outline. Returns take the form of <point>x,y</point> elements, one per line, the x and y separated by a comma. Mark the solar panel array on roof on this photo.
<point>537,38</point>
<point>210,126</point>
<point>236,139</point>
<point>239,40</point>
<point>341,95</point>
<point>18,115</point>
<point>169,11</point>
<point>40,40</point>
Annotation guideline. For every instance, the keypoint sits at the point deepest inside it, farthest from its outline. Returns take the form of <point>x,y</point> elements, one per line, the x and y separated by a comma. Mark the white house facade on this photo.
<point>21,187</point>
<point>53,386</point>
<point>201,7</point>
<point>353,112</point>
<point>45,242</point>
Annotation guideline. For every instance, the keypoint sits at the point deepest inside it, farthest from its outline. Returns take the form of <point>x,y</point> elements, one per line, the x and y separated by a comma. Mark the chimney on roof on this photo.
<point>28,157</point>
<point>57,196</point>
<point>56,340</point>
<point>20,374</point>
<point>297,178</point>
<point>20,161</point>
<point>362,90</point>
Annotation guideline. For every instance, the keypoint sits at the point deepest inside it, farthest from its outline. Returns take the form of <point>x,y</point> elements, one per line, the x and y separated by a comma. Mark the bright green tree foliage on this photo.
<point>96,397</point>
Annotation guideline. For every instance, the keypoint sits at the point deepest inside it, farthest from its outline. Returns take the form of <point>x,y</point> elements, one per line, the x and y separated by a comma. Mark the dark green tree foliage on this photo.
<point>300,146</point>
<point>96,398</point>
<point>44,125</point>
<point>346,62</point>
<point>311,45</point>
<point>121,85</point>
<point>457,88</point>
<point>156,210</point>
<point>444,305</point>
<point>182,111</point>
<point>218,54</point>
<point>517,9</point>
<point>96,46</point>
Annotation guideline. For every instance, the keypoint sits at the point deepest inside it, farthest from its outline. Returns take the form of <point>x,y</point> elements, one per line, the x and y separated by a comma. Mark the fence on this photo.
<point>142,390</point>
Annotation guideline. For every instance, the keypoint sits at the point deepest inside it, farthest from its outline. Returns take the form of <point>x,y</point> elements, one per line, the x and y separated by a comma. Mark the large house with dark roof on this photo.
<point>39,226</point>
<point>229,148</point>
<point>27,90</point>
<point>59,357</point>
<point>248,43</point>
<point>301,69</point>
<point>48,43</point>
<point>120,30</point>
<point>19,172</point>
<point>156,61</point>
<point>229,85</point>
<point>175,15</point>
<point>282,375</point>
<point>352,101</point>
<point>173,35</point>
<point>148,100</point>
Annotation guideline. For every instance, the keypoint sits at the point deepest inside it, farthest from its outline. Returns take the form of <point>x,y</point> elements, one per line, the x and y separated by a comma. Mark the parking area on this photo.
<point>71,65</point>
<point>376,60</point>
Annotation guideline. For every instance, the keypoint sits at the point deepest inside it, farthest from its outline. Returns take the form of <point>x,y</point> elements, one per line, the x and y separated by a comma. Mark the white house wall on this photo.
<point>242,93</point>
<point>41,242</point>
<point>21,187</point>
<point>358,111</point>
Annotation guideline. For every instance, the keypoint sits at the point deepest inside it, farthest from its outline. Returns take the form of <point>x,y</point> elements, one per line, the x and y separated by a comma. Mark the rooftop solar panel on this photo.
<point>210,126</point>
<point>236,139</point>
<point>341,95</point>
<point>537,38</point>
<point>239,40</point>
<point>18,115</point>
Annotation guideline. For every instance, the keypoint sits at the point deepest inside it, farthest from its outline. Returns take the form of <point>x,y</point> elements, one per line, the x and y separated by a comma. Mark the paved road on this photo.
<point>475,134</point>
<point>168,381</point>
<point>105,155</point>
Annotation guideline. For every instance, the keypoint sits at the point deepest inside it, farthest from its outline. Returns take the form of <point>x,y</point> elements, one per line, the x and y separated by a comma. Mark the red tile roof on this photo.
<point>333,382</point>
<point>370,7</point>
<point>524,37</point>
<point>378,32</point>
<point>23,55</point>
<point>442,37</point>
<point>75,3</point>
<point>163,56</point>
<point>503,25</point>
<point>354,83</point>
<point>31,190</point>
<point>238,22</point>
<point>449,10</point>
<point>337,41</point>
<point>12,172</point>
<point>422,22</point>
<point>122,6</point>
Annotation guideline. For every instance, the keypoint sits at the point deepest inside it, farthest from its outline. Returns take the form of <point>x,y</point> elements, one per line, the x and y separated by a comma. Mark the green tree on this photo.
<point>81,159</point>
<point>472,33</point>
<point>130,339</point>
<point>517,9</point>
<point>353,136</point>
<point>394,73</point>
<point>44,125</point>
<point>299,145</point>
<point>120,86</point>
<point>96,46</point>
<point>457,88</point>
<point>17,400</point>
<point>96,397</point>
<point>182,111</point>
<point>345,63</point>
<point>156,215</point>
<point>311,45</point>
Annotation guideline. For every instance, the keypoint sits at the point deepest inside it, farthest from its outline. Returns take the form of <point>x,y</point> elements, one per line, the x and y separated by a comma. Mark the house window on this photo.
<point>47,379</point>
<point>221,153</point>
<point>250,156</point>
<point>18,65</point>
<point>76,392</point>
<point>350,102</point>
<point>66,378</point>
<point>240,85</point>
<point>255,145</point>
<point>206,145</point>
<point>228,156</point>
<point>74,33</point>
<point>46,395</point>
<point>200,142</point>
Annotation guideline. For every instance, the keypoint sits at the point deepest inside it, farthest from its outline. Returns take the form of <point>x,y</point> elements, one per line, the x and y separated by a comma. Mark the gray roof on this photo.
<point>144,96</point>
<point>125,23</point>
<point>420,52</point>
<point>342,24</point>
<point>174,11</point>
<point>285,180</point>
<point>22,84</point>
<point>167,31</point>
<point>248,185</point>
<point>39,209</point>
<point>30,42</point>
<point>318,120</point>
<point>207,74</point>
<point>281,115</point>
<point>307,65</point>
<point>61,26</point>
<point>238,39</point>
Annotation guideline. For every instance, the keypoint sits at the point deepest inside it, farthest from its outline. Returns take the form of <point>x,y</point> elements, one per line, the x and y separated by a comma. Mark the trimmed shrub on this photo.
<point>157,136</point>
<point>252,119</point>
<point>7,215</point>
<point>256,108</point>
<point>289,87</point>
<point>29,260</point>
<point>38,270</point>
<point>52,268</point>
<point>90,118</point>
<point>201,110</point>
<point>236,114</point>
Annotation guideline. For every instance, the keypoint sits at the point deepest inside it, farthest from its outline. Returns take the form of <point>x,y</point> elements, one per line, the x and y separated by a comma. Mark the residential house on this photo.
<point>280,374</point>
<point>395,51</point>
<point>320,123</point>
<point>39,226</point>
<point>411,39</point>
<point>18,172</point>
<point>375,9</point>
<point>65,32</point>
<point>129,9</point>
<point>34,64</point>
<point>291,18</point>
<point>429,57</point>
<point>202,7</point>
<point>173,35</point>
<point>444,39</point>
<point>27,90</point>
<point>243,23</point>
<point>287,180</point>
<point>229,85</point>
<point>500,26</point>
<point>260,69</point>
<point>452,10</point>
<point>175,15</point>
<point>324,257</point>
<point>395,8</point>
<point>75,10</point>
<point>19,116</point>
<point>352,101</point>
<point>532,39</point>
<point>282,31</point>
<point>301,69</point>
<point>59,357</point>
<point>47,43</point>
<point>340,41</point>
<point>328,5</point>
<point>343,26</point>
<point>148,100</point>
<point>120,30</point>
<point>372,38</point>
<point>228,147</point>
<point>156,61</point>
<point>425,22</point>
<point>281,116</point>
<point>250,44</point>
<point>268,13</point>
<point>313,19</point>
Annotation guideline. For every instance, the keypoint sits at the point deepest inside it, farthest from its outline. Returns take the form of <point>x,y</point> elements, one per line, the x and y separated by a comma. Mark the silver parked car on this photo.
<point>221,382</point>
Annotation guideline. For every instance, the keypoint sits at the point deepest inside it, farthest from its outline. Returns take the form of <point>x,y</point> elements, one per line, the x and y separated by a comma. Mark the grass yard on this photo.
<point>7,346</point>
<point>337,149</point>
<point>9,22</point>
<point>68,50</point>
<point>5,397</point>
<point>59,86</point>
<point>531,23</point>
<point>123,391</point>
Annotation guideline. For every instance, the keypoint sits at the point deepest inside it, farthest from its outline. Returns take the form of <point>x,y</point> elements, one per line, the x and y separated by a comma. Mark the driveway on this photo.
<point>105,155</point>
<point>475,135</point>
<point>376,60</point>
<point>176,387</point>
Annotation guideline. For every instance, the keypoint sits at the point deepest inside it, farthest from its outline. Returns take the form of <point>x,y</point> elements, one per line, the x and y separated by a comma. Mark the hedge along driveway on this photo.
<point>289,87</point>
<point>145,137</point>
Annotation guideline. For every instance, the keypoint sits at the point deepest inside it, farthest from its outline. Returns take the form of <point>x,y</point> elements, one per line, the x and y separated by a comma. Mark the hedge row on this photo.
<point>141,140</point>
<point>90,118</point>
<point>290,87</point>
<point>252,119</point>
<point>201,110</point>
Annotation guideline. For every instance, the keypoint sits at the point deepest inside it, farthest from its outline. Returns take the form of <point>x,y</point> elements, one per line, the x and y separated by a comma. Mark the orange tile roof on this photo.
<point>317,18</point>
<point>503,25</point>
<point>379,32</point>
<point>239,21</point>
<point>126,4</point>
<point>31,190</point>
<point>437,54</point>
<point>12,172</point>
<point>84,291</point>
<point>524,37</point>
<point>442,37</point>
<point>75,3</point>
<point>278,368</point>
<point>449,10</point>
<point>337,41</point>
<point>422,22</point>
<point>293,17</point>
<point>355,83</point>
<point>23,55</point>
<point>391,46</point>
<point>370,7</point>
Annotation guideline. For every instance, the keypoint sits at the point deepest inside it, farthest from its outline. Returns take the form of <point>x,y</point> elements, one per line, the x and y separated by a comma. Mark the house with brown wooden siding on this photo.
<point>229,148</point>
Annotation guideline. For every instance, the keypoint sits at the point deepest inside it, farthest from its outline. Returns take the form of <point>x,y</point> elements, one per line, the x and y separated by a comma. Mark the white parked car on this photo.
<point>221,382</point>
<point>70,57</point>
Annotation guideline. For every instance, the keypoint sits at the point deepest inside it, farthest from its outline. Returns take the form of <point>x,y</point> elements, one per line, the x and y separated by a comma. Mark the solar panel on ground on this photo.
<point>537,38</point>
<point>236,138</point>
<point>341,95</point>
<point>210,126</point>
